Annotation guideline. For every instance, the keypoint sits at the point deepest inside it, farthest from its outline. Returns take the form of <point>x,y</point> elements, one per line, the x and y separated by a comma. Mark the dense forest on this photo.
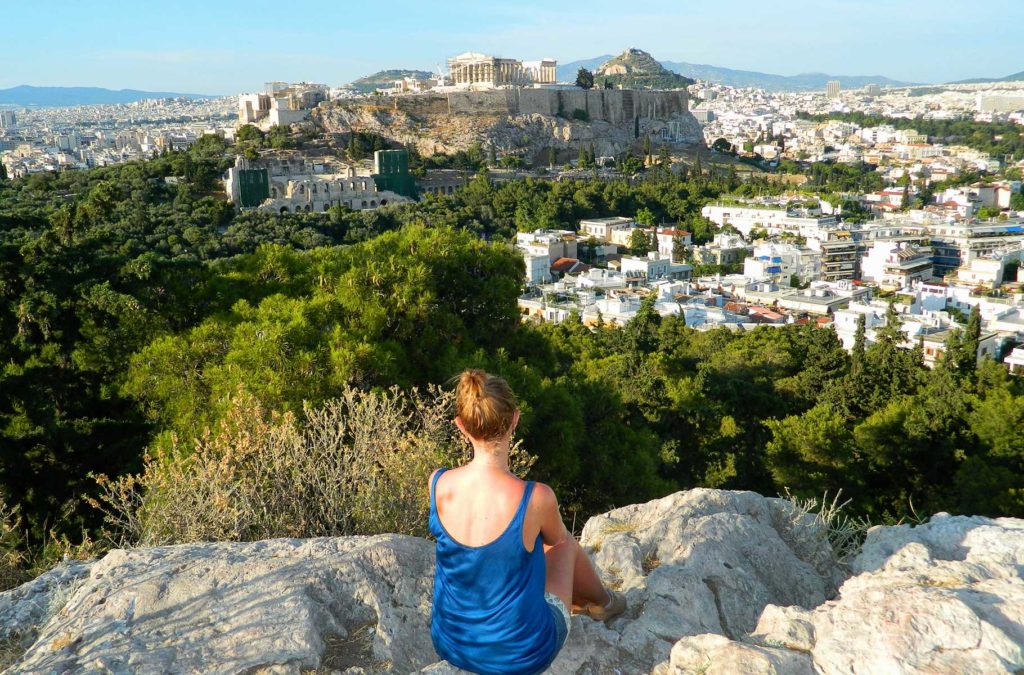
<point>135,303</point>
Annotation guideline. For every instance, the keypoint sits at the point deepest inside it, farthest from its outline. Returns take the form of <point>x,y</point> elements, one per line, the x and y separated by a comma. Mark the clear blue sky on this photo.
<point>226,46</point>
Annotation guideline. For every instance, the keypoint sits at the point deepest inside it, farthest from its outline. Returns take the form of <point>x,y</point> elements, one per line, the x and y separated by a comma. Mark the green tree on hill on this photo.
<point>584,79</point>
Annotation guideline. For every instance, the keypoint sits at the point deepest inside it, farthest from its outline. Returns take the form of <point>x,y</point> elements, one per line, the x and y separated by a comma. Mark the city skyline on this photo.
<point>228,47</point>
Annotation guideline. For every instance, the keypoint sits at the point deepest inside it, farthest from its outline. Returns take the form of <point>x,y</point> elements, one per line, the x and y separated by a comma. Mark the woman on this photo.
<point>507,570</point>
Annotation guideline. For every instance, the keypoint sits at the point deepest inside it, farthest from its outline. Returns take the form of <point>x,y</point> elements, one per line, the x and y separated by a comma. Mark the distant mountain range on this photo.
<point>56,97</point>
<point>982,80</point>
<point>743,78</point>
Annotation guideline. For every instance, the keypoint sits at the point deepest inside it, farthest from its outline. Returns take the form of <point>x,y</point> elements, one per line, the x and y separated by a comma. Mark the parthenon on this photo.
<point>479,70</point>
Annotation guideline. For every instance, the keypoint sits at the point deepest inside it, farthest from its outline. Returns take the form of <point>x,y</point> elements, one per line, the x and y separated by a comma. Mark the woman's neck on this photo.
<point>490,456</point>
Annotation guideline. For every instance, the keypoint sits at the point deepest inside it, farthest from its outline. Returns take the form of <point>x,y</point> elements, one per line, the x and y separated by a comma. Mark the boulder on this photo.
<point>284,605</point>
<point>946,597</point>
<point>717,582</point>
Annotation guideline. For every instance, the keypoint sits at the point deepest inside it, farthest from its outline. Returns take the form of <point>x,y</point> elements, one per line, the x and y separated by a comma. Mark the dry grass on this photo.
<point>843,534</point>
<point>614,580</point>
<point>650,562</point>
<point>358,464</point>
<point>11,650</point>
<point>353,651</point>
<point>614,526</point>
<point>12,559</point>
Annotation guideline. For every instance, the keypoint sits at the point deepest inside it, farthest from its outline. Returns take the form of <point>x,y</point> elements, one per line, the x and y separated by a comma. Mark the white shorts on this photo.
<point>556,603</point>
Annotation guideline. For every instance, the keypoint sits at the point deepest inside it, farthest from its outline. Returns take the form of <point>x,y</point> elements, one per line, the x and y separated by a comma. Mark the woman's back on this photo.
<point>476,505</point>
<point>489,609</point>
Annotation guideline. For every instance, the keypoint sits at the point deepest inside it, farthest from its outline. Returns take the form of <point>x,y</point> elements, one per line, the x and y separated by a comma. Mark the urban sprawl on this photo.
<point>940,233</point>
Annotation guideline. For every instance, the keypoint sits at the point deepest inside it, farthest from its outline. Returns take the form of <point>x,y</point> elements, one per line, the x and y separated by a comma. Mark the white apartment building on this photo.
<point>779,262</point>
<point>554,244</point>
<point>667,236</point>
<point>607,229</point>
<point>1015,361</point>
<point>538,269</point>
<point>653,267</point>
<point>774,220</point>
<point>895,265</point>
<point>982,272</point>
<point>725,249</point>
<point>1000,103</point>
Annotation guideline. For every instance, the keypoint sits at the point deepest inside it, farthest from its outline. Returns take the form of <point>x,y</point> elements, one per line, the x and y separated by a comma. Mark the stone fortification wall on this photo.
<point>616,106</point>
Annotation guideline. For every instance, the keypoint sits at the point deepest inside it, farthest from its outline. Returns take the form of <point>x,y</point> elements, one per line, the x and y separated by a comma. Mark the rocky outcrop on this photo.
<point>523,121</point>
<point>944,597</point>
<point>717,582</point>
<point>278,606</point>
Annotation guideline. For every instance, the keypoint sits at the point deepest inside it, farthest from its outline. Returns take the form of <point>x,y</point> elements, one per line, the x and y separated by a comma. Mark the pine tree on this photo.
<point>971,342</point>
<point>859,345</point>
<point>647,148</point>
<point>664,159</point>
<point>584,79</point>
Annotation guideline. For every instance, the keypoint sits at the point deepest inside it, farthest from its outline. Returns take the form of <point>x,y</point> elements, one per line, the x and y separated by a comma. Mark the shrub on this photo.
<point>580,114</point>
<point>358,464</point>
<point>12,559</point>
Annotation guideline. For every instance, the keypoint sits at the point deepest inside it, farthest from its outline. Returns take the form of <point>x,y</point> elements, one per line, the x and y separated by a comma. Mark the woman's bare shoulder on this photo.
<point>543,497</point>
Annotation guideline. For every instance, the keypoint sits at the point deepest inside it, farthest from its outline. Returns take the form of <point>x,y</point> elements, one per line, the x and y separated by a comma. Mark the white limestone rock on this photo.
<point>944,597</point>
<point>717,582</point>
<point>282,605</point>
<point>718,655</point>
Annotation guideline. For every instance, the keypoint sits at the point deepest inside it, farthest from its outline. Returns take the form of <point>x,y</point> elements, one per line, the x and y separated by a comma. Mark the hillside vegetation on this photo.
<point>636,69</point>
<point>136,311</point>
<point>385,78</point>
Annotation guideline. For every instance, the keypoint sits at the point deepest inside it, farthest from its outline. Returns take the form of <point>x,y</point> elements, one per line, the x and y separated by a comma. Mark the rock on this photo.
<point>717,582</point>
<point>527,122</point>
<point>276,606</point>
<point>946,597</point>
<point>717,655</point>
<point>28,605</point>
<point>789,627</point>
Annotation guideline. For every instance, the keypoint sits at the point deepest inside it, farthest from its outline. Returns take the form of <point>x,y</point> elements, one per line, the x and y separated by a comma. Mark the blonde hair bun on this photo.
<point>485,404</point>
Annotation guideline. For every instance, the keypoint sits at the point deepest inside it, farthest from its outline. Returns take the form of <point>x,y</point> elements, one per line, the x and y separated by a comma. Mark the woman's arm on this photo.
<point>552,529</point>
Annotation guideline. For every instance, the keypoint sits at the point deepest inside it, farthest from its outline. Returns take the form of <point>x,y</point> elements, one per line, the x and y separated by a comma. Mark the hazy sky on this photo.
<point>225,46</point>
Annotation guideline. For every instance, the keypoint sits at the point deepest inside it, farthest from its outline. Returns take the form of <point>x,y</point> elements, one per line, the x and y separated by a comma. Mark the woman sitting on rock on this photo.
<point>507,569</point>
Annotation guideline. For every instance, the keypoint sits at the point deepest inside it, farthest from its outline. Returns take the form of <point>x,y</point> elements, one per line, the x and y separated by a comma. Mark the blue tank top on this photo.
<point>489,612</point>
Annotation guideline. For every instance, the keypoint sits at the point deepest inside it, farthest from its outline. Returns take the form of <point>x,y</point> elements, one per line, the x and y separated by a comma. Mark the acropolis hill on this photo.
<point>524,120</point>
